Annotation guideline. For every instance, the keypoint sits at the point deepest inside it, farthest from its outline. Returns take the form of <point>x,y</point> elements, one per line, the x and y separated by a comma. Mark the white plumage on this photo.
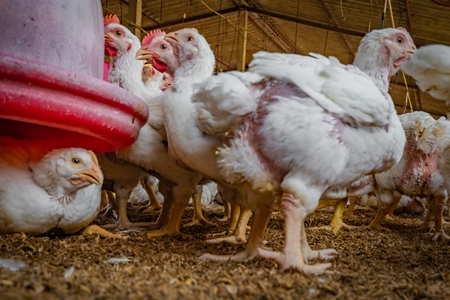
<point>150,150</point>
<point>305,135</point>
<point>43,190</point>
<point>430,67</point>
<point>418,172</point>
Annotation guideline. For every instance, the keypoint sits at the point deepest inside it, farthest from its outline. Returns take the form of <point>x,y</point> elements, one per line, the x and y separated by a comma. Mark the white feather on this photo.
<point>36,192</point>
<point>223,100</point>
<point>430,67</point>
<point>343,91</point>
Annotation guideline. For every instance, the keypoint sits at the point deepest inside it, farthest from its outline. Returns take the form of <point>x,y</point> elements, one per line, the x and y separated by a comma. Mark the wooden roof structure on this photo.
<point>236,29</point>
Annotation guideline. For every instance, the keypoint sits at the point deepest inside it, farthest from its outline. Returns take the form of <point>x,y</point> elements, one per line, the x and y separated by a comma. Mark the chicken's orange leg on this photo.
<point>259,224</point>
<point>438,208</point>
<point>95,229</point>
<point>226,211</point>
<point>385,203</point>
<point>122,196</point>
<point>235,213</point>
<point>181,196</point>
<point>428,222</point>
<point>238,236</point>
<point>336,223</point>
<point>154,204</point>
<point>393,207</point>
<point>351,207</point>
<point>198,218</point>
<point>164,215</point>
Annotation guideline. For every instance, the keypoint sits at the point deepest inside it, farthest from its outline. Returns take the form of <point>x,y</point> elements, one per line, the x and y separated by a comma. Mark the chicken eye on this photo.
<point>399,40</point>
<point>118,33</point>
<point>76,160</point>
<point>163,47</point>
<point>189,38</point>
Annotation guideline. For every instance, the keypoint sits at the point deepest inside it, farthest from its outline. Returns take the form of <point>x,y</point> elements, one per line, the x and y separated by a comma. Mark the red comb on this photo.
<point>151,35</point>
<point>110,19</point>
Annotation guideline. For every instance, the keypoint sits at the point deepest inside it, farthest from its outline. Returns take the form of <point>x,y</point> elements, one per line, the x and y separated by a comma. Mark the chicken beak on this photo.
<point>171,37</point>
<point>144,54</point>
<point>108,39</point>
<point>411,51</point>
<point>151,70</point>
<point>94,175</point>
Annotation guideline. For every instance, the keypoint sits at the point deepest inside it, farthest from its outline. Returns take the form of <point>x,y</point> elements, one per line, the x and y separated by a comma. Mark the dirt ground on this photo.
<point>398,264</point>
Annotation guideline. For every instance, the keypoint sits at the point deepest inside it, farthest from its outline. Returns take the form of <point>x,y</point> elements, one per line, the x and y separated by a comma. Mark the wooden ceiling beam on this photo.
<point>135,16</point>
<point>344,39</point>
<point>269,29</point>
<point>194,18</point>
<point>305,22</point>
<point>242,40</point>
<point>409,18</point>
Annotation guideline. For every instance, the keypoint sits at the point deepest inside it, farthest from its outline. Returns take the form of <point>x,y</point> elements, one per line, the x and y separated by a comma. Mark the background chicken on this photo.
<point>430,67</point>
<point>417,173</point>
<point>44,190</point>
<point>291,94</point>
<point>150,149</point>
<point>187,144</point>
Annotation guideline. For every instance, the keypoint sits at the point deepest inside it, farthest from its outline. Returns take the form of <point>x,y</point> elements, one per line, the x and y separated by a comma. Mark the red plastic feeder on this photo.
<point>51,69</point>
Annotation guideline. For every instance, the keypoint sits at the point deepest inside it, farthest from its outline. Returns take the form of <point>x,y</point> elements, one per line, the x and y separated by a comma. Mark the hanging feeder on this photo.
<point>51,70</point>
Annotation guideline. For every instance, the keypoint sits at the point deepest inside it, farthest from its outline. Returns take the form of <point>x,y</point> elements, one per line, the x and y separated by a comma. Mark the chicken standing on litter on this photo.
<point>150,150</point>
<point>281,120</point>
<point>417,173</point>
<point>430,67</point>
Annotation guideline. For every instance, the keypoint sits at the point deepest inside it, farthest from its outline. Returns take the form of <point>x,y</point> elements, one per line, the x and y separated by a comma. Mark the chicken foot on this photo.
<point>175,209</point>
<point>235,213</point>
<point>351,206</point>
<point>154,205</point>
<point>384,208</point>
<point>122,196</point>
<point>336,222</point>
<point>95,229</point>
<point>296,250</point>
<point>238,235</point>
<point>198,218</point>
<point>226,211</point>
<point>437,208</point>
<point>260,220</point>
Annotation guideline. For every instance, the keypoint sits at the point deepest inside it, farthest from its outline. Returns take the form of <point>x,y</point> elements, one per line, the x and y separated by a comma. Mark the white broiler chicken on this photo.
<point>430,67</point>
<point>150,150</point>
<point>418,172</point>
<point>48,191</point>
<point>180,121</point>
<point>280,120</point>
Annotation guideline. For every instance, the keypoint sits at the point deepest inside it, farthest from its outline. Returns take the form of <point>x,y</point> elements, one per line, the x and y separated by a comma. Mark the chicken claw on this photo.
<point>163,232</point>
<point>239,257</point>
<point>199,220</point>
<point>440,236</point>
<point>326,254</point>
<point>285,262</point>
<point>232,239</point>
<point>95,229</point>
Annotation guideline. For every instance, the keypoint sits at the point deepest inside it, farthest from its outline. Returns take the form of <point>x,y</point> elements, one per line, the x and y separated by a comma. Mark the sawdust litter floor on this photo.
<point>399,264</point>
